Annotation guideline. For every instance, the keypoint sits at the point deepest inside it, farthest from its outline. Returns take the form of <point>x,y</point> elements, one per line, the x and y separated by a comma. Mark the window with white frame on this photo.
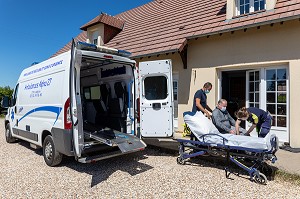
<point>175,89</point>
<point>276,82</point>
<point>248,6</point>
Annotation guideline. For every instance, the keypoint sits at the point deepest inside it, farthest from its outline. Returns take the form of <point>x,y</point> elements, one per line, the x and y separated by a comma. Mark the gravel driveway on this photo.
<point>147,174</point>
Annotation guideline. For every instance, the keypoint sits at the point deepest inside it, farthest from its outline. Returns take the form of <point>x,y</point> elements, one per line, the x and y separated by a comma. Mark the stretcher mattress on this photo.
<point>201,125</point>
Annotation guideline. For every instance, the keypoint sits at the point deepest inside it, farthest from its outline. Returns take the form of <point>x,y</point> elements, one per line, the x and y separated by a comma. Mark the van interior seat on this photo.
<point>118,106</point>
<point>90,112</point>
<point>101,105</point>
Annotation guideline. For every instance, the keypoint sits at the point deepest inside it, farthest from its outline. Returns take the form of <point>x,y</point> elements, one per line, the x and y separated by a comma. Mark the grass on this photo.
<point>287,177</point>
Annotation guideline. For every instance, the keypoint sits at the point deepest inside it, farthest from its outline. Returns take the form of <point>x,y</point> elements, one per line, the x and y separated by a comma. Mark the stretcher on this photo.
<point>238,149</point>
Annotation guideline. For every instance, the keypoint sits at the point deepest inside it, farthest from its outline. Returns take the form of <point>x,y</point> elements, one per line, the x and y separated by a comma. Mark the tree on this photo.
<point>6,91</point>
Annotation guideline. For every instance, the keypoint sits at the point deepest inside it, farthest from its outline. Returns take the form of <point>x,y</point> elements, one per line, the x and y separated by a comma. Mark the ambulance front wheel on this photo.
<point>51,156</point>
<point>8,136</point>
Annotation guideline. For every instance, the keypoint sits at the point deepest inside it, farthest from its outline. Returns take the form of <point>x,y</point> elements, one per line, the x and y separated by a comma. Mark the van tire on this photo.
<point>51,156</point>
<point>8,136</point>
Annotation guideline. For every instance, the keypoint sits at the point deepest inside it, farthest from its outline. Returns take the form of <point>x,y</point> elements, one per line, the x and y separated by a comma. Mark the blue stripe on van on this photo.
<point>53,109</point>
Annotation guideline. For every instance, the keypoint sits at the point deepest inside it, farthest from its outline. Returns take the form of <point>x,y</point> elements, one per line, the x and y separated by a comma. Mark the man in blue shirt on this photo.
<point>200,100</point>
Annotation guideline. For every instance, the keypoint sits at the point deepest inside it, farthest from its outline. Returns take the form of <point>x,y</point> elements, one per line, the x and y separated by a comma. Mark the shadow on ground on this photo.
<point>103,169</point>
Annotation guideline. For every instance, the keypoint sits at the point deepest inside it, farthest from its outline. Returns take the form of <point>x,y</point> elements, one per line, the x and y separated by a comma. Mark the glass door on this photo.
<point>277,102</point>
<point>267,89</point>
<point>253,80</point>
<point>253,88</point>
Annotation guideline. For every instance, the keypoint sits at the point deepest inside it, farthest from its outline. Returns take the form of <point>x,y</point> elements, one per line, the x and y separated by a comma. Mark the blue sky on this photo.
<point>33,30</point>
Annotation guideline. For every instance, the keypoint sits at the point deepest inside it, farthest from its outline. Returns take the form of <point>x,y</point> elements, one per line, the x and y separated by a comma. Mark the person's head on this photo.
<point>222,104</point>
<point>207,87</point>
<point>242,114</point>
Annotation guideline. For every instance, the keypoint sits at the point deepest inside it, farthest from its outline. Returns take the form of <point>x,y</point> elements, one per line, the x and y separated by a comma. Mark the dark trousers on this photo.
<point>264,128</point>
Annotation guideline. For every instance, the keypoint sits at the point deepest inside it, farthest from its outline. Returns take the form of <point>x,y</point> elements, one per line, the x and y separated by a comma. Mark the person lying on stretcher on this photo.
<point>223,120</point>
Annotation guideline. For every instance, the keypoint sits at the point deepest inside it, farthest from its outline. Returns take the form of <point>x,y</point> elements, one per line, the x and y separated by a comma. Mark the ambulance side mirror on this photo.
<point>5,102</point>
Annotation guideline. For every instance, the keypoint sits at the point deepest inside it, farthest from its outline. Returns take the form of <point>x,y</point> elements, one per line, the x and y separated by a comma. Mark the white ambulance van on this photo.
<point>91,103</point>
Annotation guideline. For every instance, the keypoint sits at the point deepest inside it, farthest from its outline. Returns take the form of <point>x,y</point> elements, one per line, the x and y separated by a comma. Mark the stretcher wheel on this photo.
<point>260,178</point>
<point>180,161</point>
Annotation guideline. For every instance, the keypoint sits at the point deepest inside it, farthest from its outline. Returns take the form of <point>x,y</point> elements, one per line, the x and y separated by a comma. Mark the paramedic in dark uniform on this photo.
<point>200,100</point>
<point>260,119</point>
<point>223,120</point>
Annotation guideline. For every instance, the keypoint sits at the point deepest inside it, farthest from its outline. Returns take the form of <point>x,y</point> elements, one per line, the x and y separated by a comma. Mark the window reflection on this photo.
<point>271,98</point>
<point>281,98</point>
<point>281,74</point>
<point>256,86</point>
<point>271,74</point>
<point>270,85</point>
<point>281,121</point>
<point>281,109</point>
<point>281,85</point>
<point>271,108</point>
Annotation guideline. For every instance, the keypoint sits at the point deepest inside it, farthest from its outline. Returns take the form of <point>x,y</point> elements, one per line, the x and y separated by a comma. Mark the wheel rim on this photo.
<point>260,178</point>
<point>48,151</point>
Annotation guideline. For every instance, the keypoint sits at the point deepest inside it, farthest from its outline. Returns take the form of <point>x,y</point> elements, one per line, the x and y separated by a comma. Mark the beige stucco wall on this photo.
<point>267,46</point>
<point>294,102</point>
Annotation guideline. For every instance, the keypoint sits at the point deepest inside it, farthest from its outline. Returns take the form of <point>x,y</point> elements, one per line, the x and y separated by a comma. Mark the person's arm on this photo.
<point>231,120</point>
<point>237,126</point>
<point>199,106</point>
<point>217,120</point>
<point>251,129</point>
<point>208,108</point>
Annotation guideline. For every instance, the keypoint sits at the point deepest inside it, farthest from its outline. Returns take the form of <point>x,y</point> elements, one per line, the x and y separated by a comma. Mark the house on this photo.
<point>248,49</point>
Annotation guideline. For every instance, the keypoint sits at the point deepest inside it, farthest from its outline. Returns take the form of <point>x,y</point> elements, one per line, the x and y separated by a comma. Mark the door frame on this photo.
<point>263,95</point>
<point>175,76</point>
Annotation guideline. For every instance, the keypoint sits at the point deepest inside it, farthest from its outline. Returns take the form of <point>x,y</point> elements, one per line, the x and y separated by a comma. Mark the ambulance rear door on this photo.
<point>156,98</point>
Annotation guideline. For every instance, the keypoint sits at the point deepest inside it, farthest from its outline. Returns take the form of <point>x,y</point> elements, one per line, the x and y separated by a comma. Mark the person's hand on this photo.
<point>208,116</point>
<point>232,132</point>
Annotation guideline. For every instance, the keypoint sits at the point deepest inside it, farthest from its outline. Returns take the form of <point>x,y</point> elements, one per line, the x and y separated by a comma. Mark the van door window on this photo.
<point>92,93</point>
<point>156,88</point>
<point>95,92</point>
<point>14,100</point>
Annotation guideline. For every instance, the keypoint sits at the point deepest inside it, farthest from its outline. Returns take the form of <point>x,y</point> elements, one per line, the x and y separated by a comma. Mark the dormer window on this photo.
<point>248,6</point>
<point>95,37</point>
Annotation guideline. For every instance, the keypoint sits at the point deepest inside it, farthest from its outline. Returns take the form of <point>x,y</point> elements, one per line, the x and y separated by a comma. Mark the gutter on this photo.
<point>156,53</point>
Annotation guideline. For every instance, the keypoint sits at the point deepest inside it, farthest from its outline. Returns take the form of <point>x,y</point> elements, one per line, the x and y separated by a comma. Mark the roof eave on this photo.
<point>154,54</point>
<point>246,26</point>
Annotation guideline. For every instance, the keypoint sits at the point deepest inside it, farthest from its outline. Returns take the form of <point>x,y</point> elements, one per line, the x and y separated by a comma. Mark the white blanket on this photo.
<point>200,125</point>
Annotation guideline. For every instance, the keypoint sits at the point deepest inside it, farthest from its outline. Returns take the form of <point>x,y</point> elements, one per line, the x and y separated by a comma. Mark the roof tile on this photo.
<point>156,27</point>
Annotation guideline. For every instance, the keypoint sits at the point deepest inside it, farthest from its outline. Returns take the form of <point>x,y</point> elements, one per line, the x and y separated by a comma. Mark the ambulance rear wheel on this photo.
<point>8,136</point>
<point>51,156</point>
